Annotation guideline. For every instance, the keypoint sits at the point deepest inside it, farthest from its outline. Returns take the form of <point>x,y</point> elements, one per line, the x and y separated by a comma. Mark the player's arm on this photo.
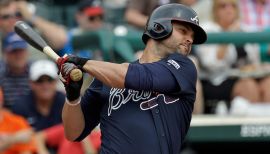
<point>110,74</point>
<point>80,115</point>
<point>149,76</point>
<point>73,120</point>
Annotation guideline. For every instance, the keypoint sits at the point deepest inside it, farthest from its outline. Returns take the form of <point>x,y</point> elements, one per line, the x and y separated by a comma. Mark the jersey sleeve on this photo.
<point>184,71</point>
<point>91,105</point>
<point>174,74</point>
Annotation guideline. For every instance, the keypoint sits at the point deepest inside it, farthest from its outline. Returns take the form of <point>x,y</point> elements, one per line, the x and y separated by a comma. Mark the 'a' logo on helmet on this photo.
<point>195,19</point>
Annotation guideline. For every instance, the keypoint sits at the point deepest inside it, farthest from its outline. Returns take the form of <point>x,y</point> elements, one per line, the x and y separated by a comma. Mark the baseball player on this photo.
<point>143,107</point>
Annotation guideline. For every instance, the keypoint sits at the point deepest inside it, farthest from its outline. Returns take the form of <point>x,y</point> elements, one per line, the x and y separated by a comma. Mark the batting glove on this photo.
<point>78,61</point>
<point>73,88</point>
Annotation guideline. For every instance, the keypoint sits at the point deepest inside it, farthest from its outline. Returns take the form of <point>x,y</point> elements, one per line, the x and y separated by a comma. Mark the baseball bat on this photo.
<point>34,39</point>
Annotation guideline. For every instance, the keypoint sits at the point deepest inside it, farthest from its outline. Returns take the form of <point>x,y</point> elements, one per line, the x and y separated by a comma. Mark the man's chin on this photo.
<point>183,52</point>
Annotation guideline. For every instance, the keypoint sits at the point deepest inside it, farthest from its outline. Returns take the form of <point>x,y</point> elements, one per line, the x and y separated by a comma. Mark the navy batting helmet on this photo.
<point>159,24</point>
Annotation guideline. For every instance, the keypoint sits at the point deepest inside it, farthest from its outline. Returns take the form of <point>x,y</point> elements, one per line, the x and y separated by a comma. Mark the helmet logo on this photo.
<point>195,19</point>
<point>158,28</point>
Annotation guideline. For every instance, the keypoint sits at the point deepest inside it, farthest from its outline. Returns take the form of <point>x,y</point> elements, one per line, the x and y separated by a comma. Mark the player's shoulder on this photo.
<point>180,65</point>
<point>177,60</point>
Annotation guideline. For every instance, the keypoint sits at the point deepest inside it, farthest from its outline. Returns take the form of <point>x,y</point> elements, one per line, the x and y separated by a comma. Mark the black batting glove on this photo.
<point>78,61</point>
<point>73,88</point>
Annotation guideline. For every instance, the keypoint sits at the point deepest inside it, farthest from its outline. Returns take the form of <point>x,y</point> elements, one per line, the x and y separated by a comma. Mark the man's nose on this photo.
<point>189,39</point>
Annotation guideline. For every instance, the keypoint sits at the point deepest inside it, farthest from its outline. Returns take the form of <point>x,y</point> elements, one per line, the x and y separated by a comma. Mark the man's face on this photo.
<point>89,22</point>
<point>180,40</point>
<point>44,88</point>
<point>8,17</point>
<point>17,59</point>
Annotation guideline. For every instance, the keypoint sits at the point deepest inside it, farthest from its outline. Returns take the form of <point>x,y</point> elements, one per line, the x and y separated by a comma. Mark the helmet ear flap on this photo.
<point>158,28</point>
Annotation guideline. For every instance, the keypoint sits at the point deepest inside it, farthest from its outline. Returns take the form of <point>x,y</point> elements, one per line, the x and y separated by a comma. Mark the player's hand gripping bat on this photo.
<point>34,39</point>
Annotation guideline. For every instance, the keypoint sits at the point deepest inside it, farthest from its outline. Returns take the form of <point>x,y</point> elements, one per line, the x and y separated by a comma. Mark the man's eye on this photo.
<point>182,30</point>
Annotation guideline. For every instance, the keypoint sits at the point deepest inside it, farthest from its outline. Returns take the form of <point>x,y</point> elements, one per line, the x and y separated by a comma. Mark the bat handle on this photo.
<point>49,51</point>
<point>75,74</point>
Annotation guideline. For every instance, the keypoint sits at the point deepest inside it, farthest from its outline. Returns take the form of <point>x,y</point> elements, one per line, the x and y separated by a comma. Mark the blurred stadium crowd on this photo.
<point>233,79</point>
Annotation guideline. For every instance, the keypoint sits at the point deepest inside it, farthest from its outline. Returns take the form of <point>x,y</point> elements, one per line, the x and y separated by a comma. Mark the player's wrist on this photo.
<point>73,97</point>
<point>78,61</point>
<point>74,102</point>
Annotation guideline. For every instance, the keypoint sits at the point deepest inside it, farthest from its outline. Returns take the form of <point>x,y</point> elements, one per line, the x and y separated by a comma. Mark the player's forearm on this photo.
<point>55,34</point>
<point>110,74</point>
<point>73,121</point>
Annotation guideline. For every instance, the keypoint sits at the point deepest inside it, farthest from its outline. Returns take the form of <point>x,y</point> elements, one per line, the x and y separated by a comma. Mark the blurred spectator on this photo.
<point>137,11</point>
<point>15,133</point>
<point>65,2</point>
<point>188,2</point>
<point>8,16</point>
<point>242,107</point>
<point>89,17</point>
<point>255,14</point>
<point>55,137</point>
<point>255,17</point>
<point>12,11</point>
<point>14,68</point>
<point>42,106</point>
<point>199,102</point>
<point>1,97</point>
<point>217,60</point>
<point>203,9</point>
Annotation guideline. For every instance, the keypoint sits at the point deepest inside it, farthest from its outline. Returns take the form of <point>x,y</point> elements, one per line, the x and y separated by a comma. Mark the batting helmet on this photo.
<point>159,24</point>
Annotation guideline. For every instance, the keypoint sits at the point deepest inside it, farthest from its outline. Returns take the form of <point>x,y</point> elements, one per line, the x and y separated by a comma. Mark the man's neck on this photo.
<point>151,53</point>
